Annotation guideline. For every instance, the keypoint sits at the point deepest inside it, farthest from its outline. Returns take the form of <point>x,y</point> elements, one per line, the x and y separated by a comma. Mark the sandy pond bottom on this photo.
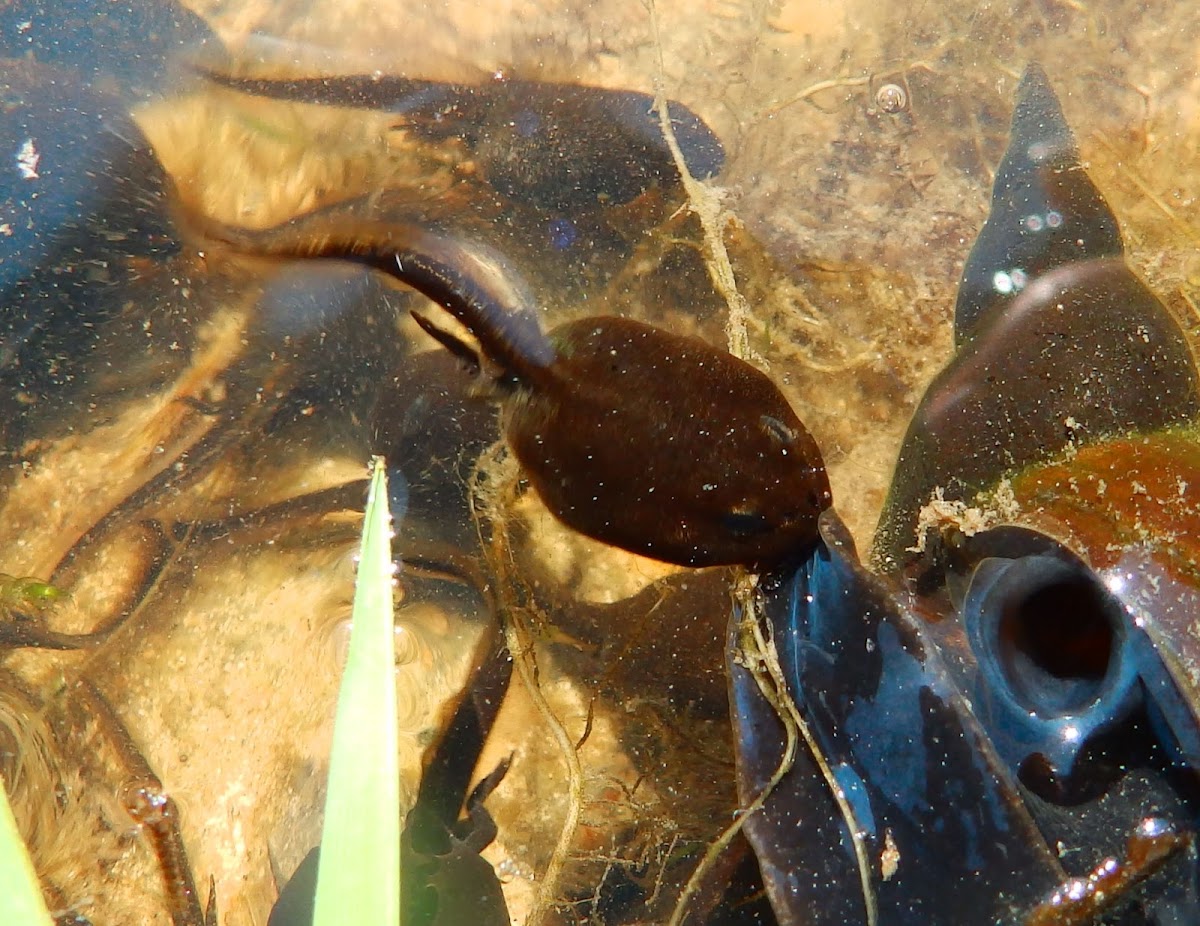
<point>847,228</point>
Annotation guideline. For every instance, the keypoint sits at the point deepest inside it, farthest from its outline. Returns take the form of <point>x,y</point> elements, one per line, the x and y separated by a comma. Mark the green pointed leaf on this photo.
<point>358,875</point>
<point>21,902</point>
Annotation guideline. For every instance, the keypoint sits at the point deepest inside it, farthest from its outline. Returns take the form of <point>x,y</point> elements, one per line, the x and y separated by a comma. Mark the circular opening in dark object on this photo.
<point>1056,638</point>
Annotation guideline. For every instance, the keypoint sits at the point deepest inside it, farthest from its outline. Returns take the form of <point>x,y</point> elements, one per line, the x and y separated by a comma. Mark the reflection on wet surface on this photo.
<point>1006,709</point>
<point>999,719</point>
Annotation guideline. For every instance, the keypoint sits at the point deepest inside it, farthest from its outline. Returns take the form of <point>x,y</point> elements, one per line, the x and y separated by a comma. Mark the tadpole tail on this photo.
<point>411,97</point>
<point>469,279</point>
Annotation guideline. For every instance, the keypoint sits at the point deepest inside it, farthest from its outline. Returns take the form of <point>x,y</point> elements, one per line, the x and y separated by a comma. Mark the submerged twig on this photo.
<point>832,83</point>
<point>789,714</point>
<point>754,663</point>
<point>705,202</point>
<point>763,661</point>
<point>758,655</point>
<point>492,501</point>
<point>146,800</point>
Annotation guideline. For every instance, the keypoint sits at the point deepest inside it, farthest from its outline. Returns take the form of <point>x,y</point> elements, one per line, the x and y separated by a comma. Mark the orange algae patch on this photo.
<point>1140,490</point>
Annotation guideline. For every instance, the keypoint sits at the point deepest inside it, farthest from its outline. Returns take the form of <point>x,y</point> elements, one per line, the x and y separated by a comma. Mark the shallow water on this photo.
<point>185,431</point>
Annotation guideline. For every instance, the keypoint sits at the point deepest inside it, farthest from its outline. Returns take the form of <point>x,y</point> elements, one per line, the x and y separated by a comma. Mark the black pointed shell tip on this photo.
<point>1038,120</point>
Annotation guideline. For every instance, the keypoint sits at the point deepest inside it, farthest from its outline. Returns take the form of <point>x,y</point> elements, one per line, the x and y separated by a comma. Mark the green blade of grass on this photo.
<point>21,902</point>
<point>359,869</point>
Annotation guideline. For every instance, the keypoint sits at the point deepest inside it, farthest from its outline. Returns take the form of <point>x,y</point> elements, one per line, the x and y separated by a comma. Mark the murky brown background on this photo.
<point>849,226</point>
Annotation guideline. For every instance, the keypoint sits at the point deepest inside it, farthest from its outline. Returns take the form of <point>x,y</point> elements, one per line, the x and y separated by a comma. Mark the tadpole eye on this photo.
<point>778,430</point>
<point>1050,642</point>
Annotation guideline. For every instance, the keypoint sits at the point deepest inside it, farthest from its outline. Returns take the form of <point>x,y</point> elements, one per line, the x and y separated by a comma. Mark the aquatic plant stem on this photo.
<point>758,656</point>
<point>705,202</point>
<point>754,663</point>
<point>768,674</point>
<point>495,494</point>
<point>520,644</point>
<point>763,661</point>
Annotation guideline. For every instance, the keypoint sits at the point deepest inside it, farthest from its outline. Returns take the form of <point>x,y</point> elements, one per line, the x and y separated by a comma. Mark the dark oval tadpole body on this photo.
<point>84,222</point>
<point>666,446</point>
<point>557,146</point>
<point>650,441</point>
<point>80,189</point>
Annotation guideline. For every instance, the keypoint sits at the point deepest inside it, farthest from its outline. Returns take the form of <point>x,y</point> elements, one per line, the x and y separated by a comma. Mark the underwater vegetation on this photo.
<point>1010,724</point>
<point>989,716</point>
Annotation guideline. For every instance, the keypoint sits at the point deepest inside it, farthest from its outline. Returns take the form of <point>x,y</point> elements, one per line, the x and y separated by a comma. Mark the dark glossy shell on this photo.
<point>1046,212</point>
<point>903,745</point>
<point>1060,343</point>
<point>1086,351</point>
<point>1011,713</point>
<point>1142,490</point>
